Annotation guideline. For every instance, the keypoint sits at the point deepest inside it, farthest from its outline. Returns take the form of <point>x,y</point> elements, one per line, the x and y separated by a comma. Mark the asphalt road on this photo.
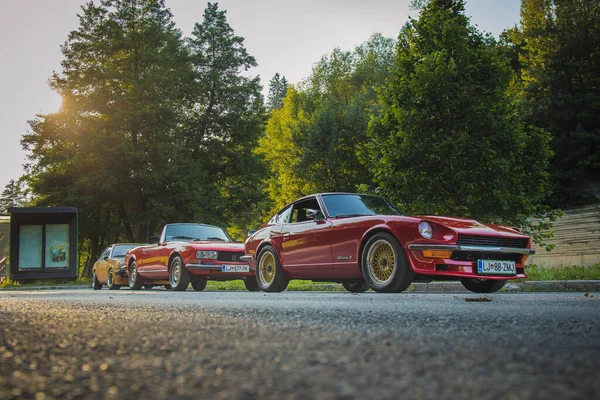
<point>159,344</point>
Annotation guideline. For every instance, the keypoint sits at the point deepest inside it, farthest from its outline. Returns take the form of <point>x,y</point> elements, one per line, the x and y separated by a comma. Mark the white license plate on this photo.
<point>235,268</point>
<point>496,267</point>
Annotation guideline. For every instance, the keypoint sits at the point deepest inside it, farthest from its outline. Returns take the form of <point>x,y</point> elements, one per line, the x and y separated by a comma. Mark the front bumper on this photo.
<point>463,262</point>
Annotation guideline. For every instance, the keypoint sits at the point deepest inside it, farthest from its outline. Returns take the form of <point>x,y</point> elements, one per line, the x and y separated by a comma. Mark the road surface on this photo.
<point>158,344</point>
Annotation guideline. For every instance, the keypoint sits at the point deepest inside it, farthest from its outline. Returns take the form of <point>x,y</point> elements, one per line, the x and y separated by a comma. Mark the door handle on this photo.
<point>286,234</point>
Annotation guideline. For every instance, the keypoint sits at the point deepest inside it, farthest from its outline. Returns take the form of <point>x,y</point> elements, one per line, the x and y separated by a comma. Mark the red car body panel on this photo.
<point>331,248</point>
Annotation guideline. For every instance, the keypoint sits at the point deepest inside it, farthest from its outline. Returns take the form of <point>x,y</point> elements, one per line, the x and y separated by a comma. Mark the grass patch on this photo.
<point>51,283</point>
<point>295,285</point>
<point>566,273</point>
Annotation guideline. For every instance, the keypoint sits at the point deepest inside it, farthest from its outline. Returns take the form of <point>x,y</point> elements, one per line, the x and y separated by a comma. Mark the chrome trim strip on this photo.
<point>484,249</point>
<point>246,258</point>
<point>154,270</point>
<point>203,266</point>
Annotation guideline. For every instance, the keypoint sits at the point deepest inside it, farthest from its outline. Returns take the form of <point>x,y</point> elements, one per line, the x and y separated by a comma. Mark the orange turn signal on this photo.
<point>437,253</point>
<point>524,258</point>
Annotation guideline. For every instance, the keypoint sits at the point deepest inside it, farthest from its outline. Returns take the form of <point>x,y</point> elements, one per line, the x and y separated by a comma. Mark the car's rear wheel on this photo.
<point>269,274</point>
<point>358,286</point>
<point>134,280</point>
<point>199,284</point>
<point>178,275</point>
<point>251,284</point>
<point>96,285</point>
<point>110,281</point>
<point>483,285</point>
<point>384,265</point>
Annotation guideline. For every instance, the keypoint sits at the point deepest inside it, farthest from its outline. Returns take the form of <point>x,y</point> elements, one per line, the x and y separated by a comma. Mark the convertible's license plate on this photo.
<point>235,268</point>
<point>496,267</point>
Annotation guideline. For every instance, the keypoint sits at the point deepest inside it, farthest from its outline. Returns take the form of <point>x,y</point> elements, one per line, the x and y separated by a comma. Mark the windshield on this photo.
<point>189,232</point>
<point>354,205</point>
<point>120,250</point>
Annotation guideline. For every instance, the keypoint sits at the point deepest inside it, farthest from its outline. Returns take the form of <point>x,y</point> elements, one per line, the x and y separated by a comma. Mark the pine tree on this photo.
<point>277,92</point>
<point>450,139</point>
<point>226,121</point>
<point>14,195</point>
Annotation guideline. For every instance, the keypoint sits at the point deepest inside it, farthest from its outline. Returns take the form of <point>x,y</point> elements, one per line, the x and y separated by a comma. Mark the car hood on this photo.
<point>468,226</point>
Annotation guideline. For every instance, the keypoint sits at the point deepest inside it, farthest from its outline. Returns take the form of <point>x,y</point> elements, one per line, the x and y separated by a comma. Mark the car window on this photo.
<point>120,249</point>
<point>348,205</point>
<point>299,210</point>
<point>190,232</point>
<point>284,216</point>
<point>105,253</point>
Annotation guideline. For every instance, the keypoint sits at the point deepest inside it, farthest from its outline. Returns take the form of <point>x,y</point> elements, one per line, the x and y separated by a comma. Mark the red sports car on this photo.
<point>366,242</point>
<point>185,253</point>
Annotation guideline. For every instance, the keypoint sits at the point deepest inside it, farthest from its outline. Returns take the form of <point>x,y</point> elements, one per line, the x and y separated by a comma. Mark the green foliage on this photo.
<point>558,49</point>
<point>153,128</point>
<point>311,142</point>
<point>277,91</point>
<point>15,194</point>
<point>450,139</point>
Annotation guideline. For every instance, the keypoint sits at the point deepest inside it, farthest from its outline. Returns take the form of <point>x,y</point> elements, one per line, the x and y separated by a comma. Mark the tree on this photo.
<point>226,119</point>
<point>450,139</point>
<point>14,195</point>
<point>558,45</point>
<point>311,143</point>
<point>105,151</point>
<point>277,91</point>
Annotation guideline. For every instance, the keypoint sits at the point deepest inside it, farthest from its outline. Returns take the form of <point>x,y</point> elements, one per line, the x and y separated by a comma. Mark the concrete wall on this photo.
<point>577,239</point>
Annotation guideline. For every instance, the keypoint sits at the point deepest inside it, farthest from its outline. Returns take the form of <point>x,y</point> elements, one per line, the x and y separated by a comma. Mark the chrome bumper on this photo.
<point>479,249</point>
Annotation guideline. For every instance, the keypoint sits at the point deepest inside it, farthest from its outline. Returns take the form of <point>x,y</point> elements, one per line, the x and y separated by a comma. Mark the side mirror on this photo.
<point>154,239</point>
<point>105,258</point>
<point>313,214</point>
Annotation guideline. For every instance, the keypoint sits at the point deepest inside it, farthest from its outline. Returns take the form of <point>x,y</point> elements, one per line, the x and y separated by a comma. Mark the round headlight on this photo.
<point>426,230</point>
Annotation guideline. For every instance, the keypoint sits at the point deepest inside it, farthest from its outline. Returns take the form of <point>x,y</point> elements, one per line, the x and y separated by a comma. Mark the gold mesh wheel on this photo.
<point>266,269</point>
<point>381,262</point>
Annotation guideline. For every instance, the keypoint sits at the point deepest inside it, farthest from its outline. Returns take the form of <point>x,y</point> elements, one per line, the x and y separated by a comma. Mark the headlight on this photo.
<point>210,255</point>
<point>426,230</point>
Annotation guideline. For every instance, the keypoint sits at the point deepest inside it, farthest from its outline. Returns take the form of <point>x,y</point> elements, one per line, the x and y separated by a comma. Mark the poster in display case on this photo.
<point>57,245</point>
<point>30,247</point>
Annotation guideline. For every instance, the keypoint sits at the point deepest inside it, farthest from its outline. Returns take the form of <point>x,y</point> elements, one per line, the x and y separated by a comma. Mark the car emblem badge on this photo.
<point>233,258</point>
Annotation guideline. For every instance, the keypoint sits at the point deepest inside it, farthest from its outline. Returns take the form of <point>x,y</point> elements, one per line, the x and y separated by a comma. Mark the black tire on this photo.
<point>359,286</point>
<point>110,281</point>
<point>384,265</point>
<point>269,274</point>
<point>135,282</point>
<point>199,284</point>
<point>178,274</point>
<point>168,287</point>
<point>251,284</point>
<point>95,284</point>
<point>483,286</point>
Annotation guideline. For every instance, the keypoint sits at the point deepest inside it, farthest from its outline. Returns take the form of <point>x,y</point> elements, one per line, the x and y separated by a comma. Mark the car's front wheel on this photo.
<point>96,285</point>
<point>358,286</point>
<point>178,275</point>
<point>384,264</point>
<point>134,280</point>
<point>110,281</point>
<point>269,274</point>
<point>483,285</point>
<point>251,284</point>
<point>199,284</point>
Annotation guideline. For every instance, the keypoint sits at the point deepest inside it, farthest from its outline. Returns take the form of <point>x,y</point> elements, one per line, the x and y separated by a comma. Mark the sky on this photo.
<point>285,37</point>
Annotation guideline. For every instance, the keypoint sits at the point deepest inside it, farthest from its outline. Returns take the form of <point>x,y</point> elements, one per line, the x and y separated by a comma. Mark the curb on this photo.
<point>528,286</point>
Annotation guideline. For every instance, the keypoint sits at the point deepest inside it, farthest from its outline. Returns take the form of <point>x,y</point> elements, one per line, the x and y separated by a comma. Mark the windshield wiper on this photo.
<point>185,237</point>
<point>350,215</point>
<point>216,238</point>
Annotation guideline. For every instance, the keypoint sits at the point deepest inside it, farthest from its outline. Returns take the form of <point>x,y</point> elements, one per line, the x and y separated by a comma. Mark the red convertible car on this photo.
<point>365,242</point>
<point>185,253</point>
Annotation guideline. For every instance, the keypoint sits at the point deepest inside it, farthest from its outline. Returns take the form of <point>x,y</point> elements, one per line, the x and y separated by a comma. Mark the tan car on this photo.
<point>110,268</point>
